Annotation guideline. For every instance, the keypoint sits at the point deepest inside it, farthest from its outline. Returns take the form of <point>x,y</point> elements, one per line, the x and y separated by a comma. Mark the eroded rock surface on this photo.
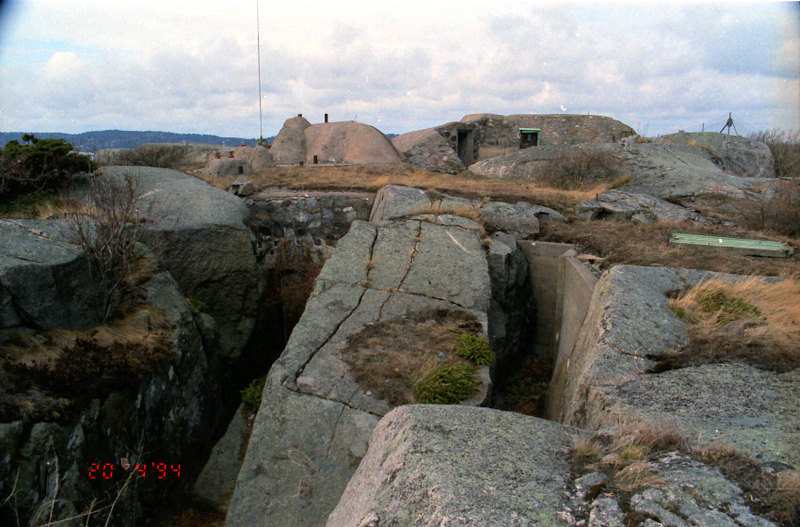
<point>458,466</point>
<point>168,417</point>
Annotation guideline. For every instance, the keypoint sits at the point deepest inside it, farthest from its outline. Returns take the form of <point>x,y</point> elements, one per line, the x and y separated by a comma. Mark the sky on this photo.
<point>191,65</point>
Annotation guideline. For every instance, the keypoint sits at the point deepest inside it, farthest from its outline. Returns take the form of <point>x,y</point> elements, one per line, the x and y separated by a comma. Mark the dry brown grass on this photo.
<point>626,455</point>
<point>372,178</point>
<point>624,242</point>
<point>387,358</point>
<point>751,321</point>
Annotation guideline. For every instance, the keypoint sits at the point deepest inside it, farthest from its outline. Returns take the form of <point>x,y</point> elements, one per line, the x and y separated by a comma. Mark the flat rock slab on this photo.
<point>640,208</point>
<point>45,280</point>
<point>314,422</point>
<point>458,466</point>
<point>520,219</point>
<point>607,373</point>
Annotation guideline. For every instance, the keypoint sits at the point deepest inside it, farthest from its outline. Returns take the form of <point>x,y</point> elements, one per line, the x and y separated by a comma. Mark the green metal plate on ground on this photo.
<point>751,247</point>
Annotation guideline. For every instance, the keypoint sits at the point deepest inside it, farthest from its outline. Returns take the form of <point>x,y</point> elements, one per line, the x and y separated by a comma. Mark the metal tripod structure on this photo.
<point>729,124</point>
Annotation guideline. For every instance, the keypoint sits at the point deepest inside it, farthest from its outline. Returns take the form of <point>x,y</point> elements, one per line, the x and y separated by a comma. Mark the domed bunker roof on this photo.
<point>349,142</point>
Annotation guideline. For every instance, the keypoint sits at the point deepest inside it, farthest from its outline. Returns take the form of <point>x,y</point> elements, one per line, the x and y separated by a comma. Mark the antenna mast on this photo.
<point>258,41</point>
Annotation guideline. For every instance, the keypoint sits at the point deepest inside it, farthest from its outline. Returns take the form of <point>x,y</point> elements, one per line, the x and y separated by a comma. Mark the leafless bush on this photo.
<point>785,148</point>
<point>162,156</point>
<point>108,230</point>
<point>578,168</point>
<point>779,213</point>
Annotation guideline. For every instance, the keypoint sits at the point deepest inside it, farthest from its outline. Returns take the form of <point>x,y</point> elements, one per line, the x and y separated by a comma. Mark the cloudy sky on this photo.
<point>190,65</point>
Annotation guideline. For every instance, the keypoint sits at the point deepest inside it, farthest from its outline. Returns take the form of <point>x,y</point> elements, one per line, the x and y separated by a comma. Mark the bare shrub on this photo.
<point>779,213</point>
<point>785,148</point>
<point>580,168</point>
<point>108,229</point>
<point>161,156</point>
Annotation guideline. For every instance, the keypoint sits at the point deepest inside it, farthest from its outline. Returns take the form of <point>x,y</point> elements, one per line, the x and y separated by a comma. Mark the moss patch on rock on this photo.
<point>447,384</point>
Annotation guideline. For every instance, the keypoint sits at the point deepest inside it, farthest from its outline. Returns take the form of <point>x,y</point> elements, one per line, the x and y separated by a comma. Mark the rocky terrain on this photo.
<point>388,334</point>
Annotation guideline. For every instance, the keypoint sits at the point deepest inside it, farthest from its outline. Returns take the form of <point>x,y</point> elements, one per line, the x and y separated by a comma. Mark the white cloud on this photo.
<point>191,66</point>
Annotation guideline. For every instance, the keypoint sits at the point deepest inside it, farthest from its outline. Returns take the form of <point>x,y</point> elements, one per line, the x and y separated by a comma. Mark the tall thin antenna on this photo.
<point>258,40</point>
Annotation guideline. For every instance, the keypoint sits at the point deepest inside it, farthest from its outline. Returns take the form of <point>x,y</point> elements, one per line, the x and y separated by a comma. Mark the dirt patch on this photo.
<point>625,242</point>
<point>524,386</point>
<point>389,358</point>
<point>752,321</point>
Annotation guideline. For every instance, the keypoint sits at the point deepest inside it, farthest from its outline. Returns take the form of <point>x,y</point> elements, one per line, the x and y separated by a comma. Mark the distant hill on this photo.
<point>93,141</point>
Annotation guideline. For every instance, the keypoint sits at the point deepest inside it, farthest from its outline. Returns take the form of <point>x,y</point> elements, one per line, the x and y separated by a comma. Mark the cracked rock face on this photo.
<point>315,419</point>
<point>689,493</point>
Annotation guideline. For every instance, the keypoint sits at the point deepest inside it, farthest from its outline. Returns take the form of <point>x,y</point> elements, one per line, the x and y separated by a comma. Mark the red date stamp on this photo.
<point>154,470</point>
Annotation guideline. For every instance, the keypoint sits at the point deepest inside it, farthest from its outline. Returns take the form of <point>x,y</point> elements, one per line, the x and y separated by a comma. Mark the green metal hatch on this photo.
<point>746,246</point>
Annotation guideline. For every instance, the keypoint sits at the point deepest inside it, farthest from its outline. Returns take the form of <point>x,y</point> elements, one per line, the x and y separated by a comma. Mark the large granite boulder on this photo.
<point>289,146</point>
<point>458,466</point>
<point>738,155</point>
<point>45,280</point>
<point>610,372</point>
<point>167,416</point>
<point>199,234</point>
<point>316,414</point>
<point>428,150</point>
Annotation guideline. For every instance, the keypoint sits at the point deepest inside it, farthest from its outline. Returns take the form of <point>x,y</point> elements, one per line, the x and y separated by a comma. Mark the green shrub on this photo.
<point>251,394</point>
<point>447,384</point>
<point>729,308</point>
<point>474,348</point>
<point>37,165</point>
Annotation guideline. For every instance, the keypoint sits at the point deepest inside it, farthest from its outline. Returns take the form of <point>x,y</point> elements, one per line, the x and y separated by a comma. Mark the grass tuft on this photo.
<point>447,384</point>
<point>251,394</point>
<point>474,348</point>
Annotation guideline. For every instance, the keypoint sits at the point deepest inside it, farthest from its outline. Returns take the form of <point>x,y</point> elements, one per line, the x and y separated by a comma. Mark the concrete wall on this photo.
<point>562,287</point>
<point>544,266</point>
